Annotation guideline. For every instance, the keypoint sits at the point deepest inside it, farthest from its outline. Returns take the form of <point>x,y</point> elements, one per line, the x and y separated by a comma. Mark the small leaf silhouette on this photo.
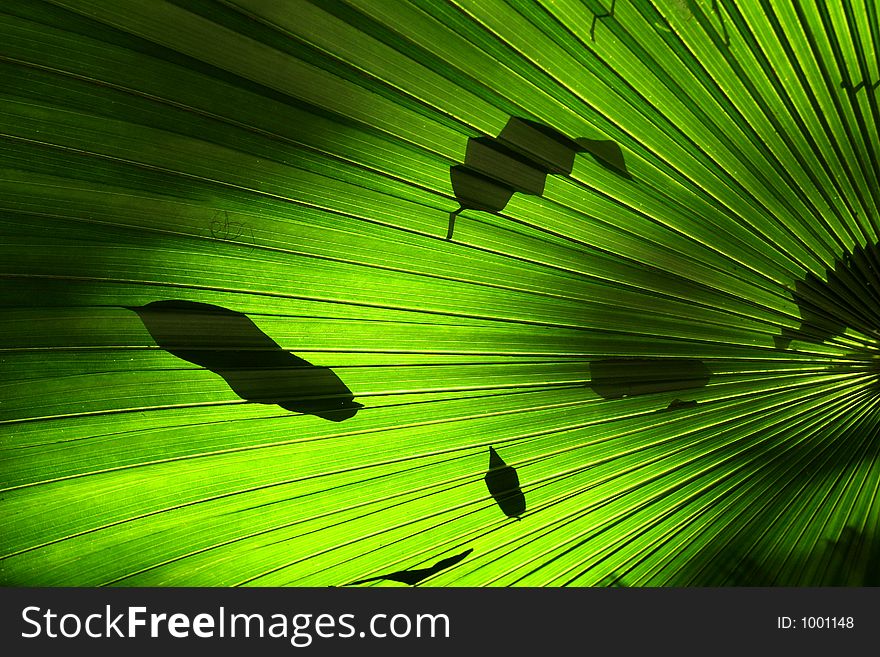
<point>503,484</point>
<point>677,404</point>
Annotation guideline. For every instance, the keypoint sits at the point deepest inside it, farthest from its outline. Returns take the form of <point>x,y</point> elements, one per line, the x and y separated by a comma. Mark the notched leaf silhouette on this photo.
<point>256,368</point>
<point>848,298</point>
<point>413,577</point>
<point>616,378</point>
<point>503,484</point>
<point>519,160</point>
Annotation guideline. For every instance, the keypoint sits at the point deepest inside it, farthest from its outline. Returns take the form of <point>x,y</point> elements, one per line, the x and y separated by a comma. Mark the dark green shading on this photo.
<point>503,484</point>
<point>519,160</point>
<point>597,17</point>
<point>413,577</point>
<point>615,378</point>
<point>850,559</point>
<point>848,298</point>
<point>848,85</point>
<point>746,571</point>
<point>229,344</point>
<point>678,404</point>
<point>853,559</point>
<point>612,581</point>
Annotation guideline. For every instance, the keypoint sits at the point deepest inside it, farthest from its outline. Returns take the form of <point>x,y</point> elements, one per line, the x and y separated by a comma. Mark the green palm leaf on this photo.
<point>288,164</point>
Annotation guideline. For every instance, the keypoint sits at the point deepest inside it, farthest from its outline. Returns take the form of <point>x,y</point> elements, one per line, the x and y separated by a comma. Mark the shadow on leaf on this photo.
<point>256,368</point>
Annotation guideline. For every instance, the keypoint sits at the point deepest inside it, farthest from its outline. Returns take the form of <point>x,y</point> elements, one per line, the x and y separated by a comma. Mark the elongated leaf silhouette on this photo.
<point>416,575</point>
<point>503,484</point>
<point>255,367</point>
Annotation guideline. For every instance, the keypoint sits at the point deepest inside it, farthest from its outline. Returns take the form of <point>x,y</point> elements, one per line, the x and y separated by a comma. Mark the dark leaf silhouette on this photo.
<point>503,484</point>
<point>416,575</point>
<point>616,378</point>
<point>849,297</point>
<point>229,344</point>
<point>678,404</point>
<point>519,160</point>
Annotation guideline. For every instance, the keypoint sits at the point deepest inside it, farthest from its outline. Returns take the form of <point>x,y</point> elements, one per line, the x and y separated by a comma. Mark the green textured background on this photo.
<point>290,160</point>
